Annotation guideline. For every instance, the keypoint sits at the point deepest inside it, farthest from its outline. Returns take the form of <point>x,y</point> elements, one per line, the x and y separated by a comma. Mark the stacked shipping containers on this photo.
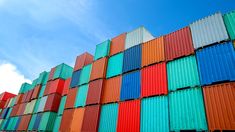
<point>179,81</point>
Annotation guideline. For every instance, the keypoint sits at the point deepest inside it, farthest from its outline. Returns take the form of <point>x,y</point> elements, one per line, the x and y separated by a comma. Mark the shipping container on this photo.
<point>83,60</point>
<point>42,104</point>
<point>182,73</point>
<point>54,86</point>
<point>21,109</point>
<point>18,99</point>
<point>111,90</point>
<point>208,30</point>
<point>154,80</point>
<point>129,116</point>
<point>62,105</point>
<point>76,124</point>
<point>56,126</point>
<point>29,95</point>
<point>71,97</point>
<point>220,106</point>
<point>216,63</point>
<point>117,44</point>
<point>94,92</point>
<point>114,67</point>
<point>51,74</point>
<point>42,91</point>
<point>2,104</point>
<point>43,77</point>
<point>66,120</point>
<point>37,121</point>
<point>102,49</point>
<point>52,103</point>
<point>91,118</point>
<point>75,79</point>
<point>47,121</point>
<point>153,51</point>
<point>63,71</point>
<point>14,110</point>
<point>98,69</point>
<point>24,123</point>
<point>85,75</point>
<point>132,59</point>
<point>187,110</point>
<point>35,110</point>
<point>6,95</point>
<point>81,96</point>
<point>229,20</point>
<point>30,107</point>
<point>36,92</point>
<point>178,44</point>
<point>66,87</point>
<point>32,121</point>
<point>154,114</point>
<point>130,86</point>
<point>108,118</point>
<point>137,36</point>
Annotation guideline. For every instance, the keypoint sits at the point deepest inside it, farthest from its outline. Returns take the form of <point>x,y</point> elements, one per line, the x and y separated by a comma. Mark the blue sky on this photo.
<point>36,35</point>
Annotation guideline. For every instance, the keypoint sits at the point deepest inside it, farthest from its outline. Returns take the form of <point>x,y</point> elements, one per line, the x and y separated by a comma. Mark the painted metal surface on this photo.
<point>129,116</point>
<point>43,77</point>
<point>85,74</point>
<point>229,20</point>
<point>154,114</point>
<point>83,60</point>
<point>154,80</point>
<point>36,92</point>
<point>47,121</point>
<point>30,107</point>
<point>55,86</point>
<point>52,103</point>
<point>32,121</point>
<point>216,63</point>
<point>62,105</point>
<point>66,87</point>
<point>75,79</point>
<point>182,73</point>
<point>99,69</point>
<point>37,121</point>
<point>42,104</point>
<point>42,91</point>
<point>102,49</point>
<point>114,67</point>
<point>137,36</point>
<point>63,71</point>
<point>132,59</point>
<point>76,124</point>
<point>81,96</point>
<point>220,106</point>
<point>178,44</point>
<point>187,110</point>
<point>130,86</point>
<point>6,95</point>
<point>108,118</point>
<point>56,126</point>
<point>117,44</point>
<point>35,110</point>
<point>208,30</point>
<point>25,120</point>
<point>71,97</point>
<point>66,120</point>
<point>94,92</point>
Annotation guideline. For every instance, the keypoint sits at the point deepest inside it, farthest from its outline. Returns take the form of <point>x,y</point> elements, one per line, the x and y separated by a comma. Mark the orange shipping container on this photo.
<point>117,44</point>
<point>76,124</point>
<point>220,106</point>
<point>99,69</point>
<point>83,60</point>
<point>66,120</point>
<point>153,51</point>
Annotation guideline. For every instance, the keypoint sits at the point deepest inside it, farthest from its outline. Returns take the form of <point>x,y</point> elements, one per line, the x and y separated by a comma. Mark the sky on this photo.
<point>36,35</point>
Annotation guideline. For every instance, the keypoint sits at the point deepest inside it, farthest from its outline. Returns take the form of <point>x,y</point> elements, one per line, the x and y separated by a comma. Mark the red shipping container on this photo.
<point>55,86</point>
<point>66,87</point>
<point>154,80</point>
<point>2,104</point>
<point>65,125</point>
<point>6,95</point>
<point>129,116</point>
<point>15,110</point>
<point>94,92</point>
<point>98,69</point>
<point>24,122</point>
<point>117,44</point>
<point>29,95</point>
<point>83,60</point>
<point>24,96</point>
<point>19,98</point>
<point>21,109</point>
<point>36,92</point>
<point>91,118</point>
<point>71,97</point>
<point>178,44</point>
<point>53,102</point>
<point>51,74</point>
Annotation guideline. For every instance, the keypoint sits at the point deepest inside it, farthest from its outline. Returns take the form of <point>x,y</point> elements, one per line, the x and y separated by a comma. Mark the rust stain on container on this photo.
<point>76,124</point>
<point>99,69</point>
<point>24,123</point>
<point>117,44</point>
<point>220,106</point>
<point>83,60</point>
<point>66,120</point>
<point>153,51</point>
<point>94,92</point>
<point>91,118</point>
<point>66,86</point>
<point>71,97</point>
<point>111,90</point>
<point>36,92</point>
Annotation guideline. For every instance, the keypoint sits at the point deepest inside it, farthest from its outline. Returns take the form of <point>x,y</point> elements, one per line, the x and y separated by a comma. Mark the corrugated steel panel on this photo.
<point>229,20</point>
<point>208,30</point>
<point>57,124</point>
<point>91,118</point>
<point>117,44</point>
<point>14,110</point>
<point>6,95</point>
<point>47,121</point>
<point>35,110</point>
<point>108,118</point>
<point>71,97</point>
<point>220,106</point>
<point>130,86</point>
<point>111,89</point>
<point>21,109</point>
<point>32,121</point>
<point>52,103</point>
<point>99,69</point>
<point>182,73</point>
<point>187,110</point>
<point>51,74</point>
<point>94,92</point>
<point>153,51</point>
<point>42,91</point>
<point>43,77</point>
<point>42,104</point>
<point>75,79</point>
<point>83,60</point>
<point>81,96</point>
<point>66,120</point>
<point>37,121</point>
<point>154,80</point>
<point>178,44</point>
<point>30,107</point>
<point>55,86</point>
<point>36,92</point>
<point>76,124</point>
<point>85,74</point>
<point>24,122</point>
<point>132,59</point>
<point>216,63</point>
<point>137,36</point>
<point>66,87</point>
<point>114,65</point>
<point>102,49</point>
<point>62,105</point>
<point>129,116</point>
<point>63,71</point>
<point>154,114</point>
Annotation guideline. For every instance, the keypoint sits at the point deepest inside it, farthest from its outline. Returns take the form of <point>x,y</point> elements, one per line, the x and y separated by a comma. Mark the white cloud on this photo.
<point>10,78</point>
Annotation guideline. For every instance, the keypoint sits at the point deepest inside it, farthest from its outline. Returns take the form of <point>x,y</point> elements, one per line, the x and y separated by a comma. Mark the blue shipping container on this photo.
<point>132,59</point>
<point>4,113</point>
<point>17,123</point>
<point>75,79</point>
<point>37,121</point>
<point>216,63</point>
<point>130,86</point>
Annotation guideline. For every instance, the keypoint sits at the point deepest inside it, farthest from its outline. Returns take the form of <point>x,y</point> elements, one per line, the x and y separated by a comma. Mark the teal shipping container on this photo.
<point>85,74</point>
<point>57,124</point>
<point>63,71</point>
<point>81,96</point>
<point>42,104</point>
<point>24,88</point>
<point>229,20</point>
<point>32,121</point>
<point>154,114</point>
<point>182,73</point>
<point>35,110</point>
<point>34,83</point>
<point>62,104</point>
<point>102,49</point>
<point>47,121</point>
<point>114,65</point>
<point>12,123</point>
<point>42,91</point>
<point>108,118</point>
<point>43,77</point>
<point>187,110</point>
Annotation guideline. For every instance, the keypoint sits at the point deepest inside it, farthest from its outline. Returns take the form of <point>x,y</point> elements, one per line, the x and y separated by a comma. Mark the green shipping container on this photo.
<point>32,121</point>
<point>34,83</point>
<point>85,74</point>
<point>229,20</point>
<point>115,65</point>
<point>42,104</point>
<point>108,118</point>
<point>43,77</point>
<point>187,110</point>
<point>62,104</point>
<point>154,114</point>
<point>47,121</point>
<point>102,49</point>
<point>57,124</point>
<point>81,96</point>
<point>63,71</point>
<point>30,107</point>
<point>42,91</point>
<point>24,87</point>
<point>182,73</point>
<point>12,123</point>
<point>35,110</point>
